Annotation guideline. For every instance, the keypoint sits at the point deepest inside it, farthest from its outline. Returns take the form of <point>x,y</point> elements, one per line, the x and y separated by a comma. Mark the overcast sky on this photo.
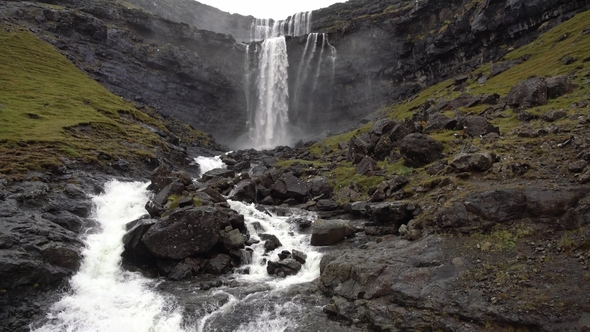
<point>269,8</point>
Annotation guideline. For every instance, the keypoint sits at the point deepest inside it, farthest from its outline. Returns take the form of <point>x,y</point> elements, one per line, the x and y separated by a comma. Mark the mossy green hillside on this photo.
<point>50,111</point>
<point>571,38</point>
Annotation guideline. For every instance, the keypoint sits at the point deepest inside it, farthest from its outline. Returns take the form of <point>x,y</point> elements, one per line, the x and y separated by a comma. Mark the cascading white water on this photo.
<point>268,119</point>
<point>104,297</point>
<point>298,24</point>
<point>264,223</point>
<point>272,111</point>
<point>309,71</point>
<point>208,163</point>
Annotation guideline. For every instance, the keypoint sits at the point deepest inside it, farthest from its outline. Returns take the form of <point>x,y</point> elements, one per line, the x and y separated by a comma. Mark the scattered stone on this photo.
<point>271,242</point>
<point>419,150</point>
<point>529,93</point>
<point>219,264</point>
<point>568,60</point>
<point>472,162</point>
<point>328,232</point>
<point>366,166</point>
<point>299,256</point>
<point>577,166</point>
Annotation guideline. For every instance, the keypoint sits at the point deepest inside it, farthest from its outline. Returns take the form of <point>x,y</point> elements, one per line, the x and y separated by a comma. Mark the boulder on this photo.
<point>185,232</point>
<point>359,147</point>
<point>219,264</point>
<point>383,148</point>
<point>382,127</point>
<point>232,238</point>
<point>135,249</point>
<point>289,186</point>
<point>403,129</point>
<point>558,86</point>
<point>328,232</point>
<point>244,191</point>
<point>472,162</point>
<point>529,93</point>
<point>497,205</point>
<point>326,205</point>
<point>218,172</point>
<point>271,242</point>
<point>477,126</point>
<point>299,256</point>
<point>395,213</point>
<point>320,186</point>
<point>553,115</point>
<point>366,166</point>
<point>419,150</point>
<point>438,121</point>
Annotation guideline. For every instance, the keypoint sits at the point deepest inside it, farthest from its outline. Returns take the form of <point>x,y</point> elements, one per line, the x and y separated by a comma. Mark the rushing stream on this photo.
<point>105,297</point>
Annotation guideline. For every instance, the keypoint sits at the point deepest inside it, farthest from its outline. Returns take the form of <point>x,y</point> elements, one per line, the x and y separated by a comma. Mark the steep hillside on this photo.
<point>55,117</point>
<point>496,163</point>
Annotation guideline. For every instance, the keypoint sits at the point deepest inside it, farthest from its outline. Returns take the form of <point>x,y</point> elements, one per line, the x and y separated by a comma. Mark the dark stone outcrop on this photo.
<point>328,232</point>
<point>185,232</point>
<point>472,162</point>
<point>419,150</point>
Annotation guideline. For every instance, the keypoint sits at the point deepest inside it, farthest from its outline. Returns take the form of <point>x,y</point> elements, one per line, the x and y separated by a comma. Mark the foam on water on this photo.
<point>208,163</point>
<point>262,222</point>
<point>103,297</point>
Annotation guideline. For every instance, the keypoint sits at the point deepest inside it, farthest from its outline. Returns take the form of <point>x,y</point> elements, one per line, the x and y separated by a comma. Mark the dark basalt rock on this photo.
<point>320,186</point>
<point>472,162</point>
<point>244,191</point>
<point>419,150</point>
<point>366,166</point>
<point>185,232</point>
<point>477,126</point>
<point>328,232</point>
<point>528,93</point>
<point>289,186</point>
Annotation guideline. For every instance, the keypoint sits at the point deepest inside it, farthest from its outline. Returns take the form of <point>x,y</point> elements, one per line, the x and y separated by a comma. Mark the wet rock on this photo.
<point>396,213</point>
<point>185,232</point>
<point>66,219</point>
<point>529,93</point>
<point>232,238</point>
<point>244,191</point>
<point>181,271</point>
<point>62,256</point>
<point>135,250</point>
<point>328,232</point>
<point>366,166</point>
<point>472,162</point>
<point>419,150</point>
<point>218,172</point>
<point>289,186</point>
<point>271,242</point>
<point>326,205</point>
<point>241,166</point>
<point>299,256</point>
<point>174,188</point>
<point>219,264</point>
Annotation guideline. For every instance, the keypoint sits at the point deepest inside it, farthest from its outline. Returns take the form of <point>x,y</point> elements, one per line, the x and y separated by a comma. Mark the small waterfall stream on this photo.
<point>278,113</point>
<point>105,297</point>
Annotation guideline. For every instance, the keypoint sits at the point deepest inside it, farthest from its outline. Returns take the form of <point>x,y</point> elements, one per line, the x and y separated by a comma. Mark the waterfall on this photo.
<point>104,297</point>
<point>272,111</point>
<point>298,24</point>
<point>308,75</point>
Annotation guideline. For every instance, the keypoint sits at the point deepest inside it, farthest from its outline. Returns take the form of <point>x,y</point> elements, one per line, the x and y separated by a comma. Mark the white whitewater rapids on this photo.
<point>104,297</point>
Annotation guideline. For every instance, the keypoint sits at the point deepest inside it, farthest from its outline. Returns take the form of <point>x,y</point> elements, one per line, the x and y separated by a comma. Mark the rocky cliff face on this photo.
<point>200,16</point>
<point>192,74</point>
<point>388,50</point>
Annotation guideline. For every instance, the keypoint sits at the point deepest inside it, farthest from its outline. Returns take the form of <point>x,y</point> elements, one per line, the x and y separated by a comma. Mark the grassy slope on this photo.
<point>52,113</point>
<point>546,53</point>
